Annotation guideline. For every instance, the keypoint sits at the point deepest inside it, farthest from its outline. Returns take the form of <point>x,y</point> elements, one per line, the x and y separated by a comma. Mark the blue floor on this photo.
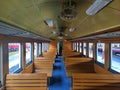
<point>59,79</point>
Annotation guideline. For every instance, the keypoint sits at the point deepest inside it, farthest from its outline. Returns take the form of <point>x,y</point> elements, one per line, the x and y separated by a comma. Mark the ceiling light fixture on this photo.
<point>72,29</point>
<point>97,6</point>
<point>69,12</point>
<point>53,32</point>
<point>49,22</point>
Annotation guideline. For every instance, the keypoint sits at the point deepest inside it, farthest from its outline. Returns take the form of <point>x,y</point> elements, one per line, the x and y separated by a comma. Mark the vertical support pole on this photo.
<point>32,47</point>
<point>41,53</point>
<point>23,56</point>
<point>87,49</point>
<point>107,51</point>
<point>5,61</point>
<point>78,46</point>
<point>37,49</point>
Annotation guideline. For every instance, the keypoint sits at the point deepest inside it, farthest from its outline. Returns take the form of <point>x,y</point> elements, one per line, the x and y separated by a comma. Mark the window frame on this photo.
<point>96,61</point>
<point>36,50</point>
<point>80,47</point>
<point>74,46</point>
<point>27,64</point>
<point>110,61</point>
<point>84,43</point>
<point>89,49</point>
<point>21,68</point>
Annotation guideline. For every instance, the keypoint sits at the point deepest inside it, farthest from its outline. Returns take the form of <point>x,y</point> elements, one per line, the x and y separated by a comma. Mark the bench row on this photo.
<point>95,81</point>
<point>31,81</point>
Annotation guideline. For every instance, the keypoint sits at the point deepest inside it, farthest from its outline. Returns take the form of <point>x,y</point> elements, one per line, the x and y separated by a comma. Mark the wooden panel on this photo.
<point>2,88</point>
<point>99,69</point>
<point>79,65</point>
<point>28,69</point>
<point>26,76</point>
<point>44,60</point>
<point>96,81</point>
<point>26,88</point>
<point>24,84</point>
<point>43,66</point>
<point>26,81</point>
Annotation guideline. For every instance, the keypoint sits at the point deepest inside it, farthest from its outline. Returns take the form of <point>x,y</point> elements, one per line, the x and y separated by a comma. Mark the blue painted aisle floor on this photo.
<point>59,79</point>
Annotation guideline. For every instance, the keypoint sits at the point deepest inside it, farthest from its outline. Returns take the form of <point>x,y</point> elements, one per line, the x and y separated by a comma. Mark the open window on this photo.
<point>35,49</point>
<point>91,50</point>
<point>84,48</point>
<point>80,47</point>
<point>115,57</point>
<point>28,53</point>
<point>100,58</point>
<point>15,61</point>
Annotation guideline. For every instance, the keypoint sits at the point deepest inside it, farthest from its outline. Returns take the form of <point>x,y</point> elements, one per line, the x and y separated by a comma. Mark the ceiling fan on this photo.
<point>68,12</point>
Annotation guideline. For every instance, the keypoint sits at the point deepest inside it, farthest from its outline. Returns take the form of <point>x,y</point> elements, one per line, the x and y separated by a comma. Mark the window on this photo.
<point>15,62</point>
<point>47,46</point>
<point>84,48</point>
<point>91,50</point>
<point>100,53</point>
<point>115,57</point>
<point>28,53</point>
<point>35,50</point>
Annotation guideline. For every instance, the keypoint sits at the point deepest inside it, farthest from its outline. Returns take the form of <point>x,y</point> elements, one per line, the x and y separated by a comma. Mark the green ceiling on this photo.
<point>30,15</point>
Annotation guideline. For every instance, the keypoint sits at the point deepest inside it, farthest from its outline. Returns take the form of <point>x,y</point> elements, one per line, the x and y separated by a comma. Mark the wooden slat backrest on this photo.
<point>44,60</point>
<point>95,81</point>
<point>43,66</point>
<point>39,64</point>
<point>32,81</point>
<point>79,65</point>
<point>67,53</point>
<point>69,61</point>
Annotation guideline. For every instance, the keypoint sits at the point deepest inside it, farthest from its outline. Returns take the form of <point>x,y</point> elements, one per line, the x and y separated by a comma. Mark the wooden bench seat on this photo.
<point>94,81</point>
<point>43,66</point>
<point>69,53</point>
<point>30,81</point>
<point>79,65</point>
<point>72,60</point>
<point>46,59</point>
<point>49,54</point>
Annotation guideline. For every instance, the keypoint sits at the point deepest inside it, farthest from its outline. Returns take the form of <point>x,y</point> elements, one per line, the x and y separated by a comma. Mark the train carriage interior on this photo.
<point>60,44</point>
